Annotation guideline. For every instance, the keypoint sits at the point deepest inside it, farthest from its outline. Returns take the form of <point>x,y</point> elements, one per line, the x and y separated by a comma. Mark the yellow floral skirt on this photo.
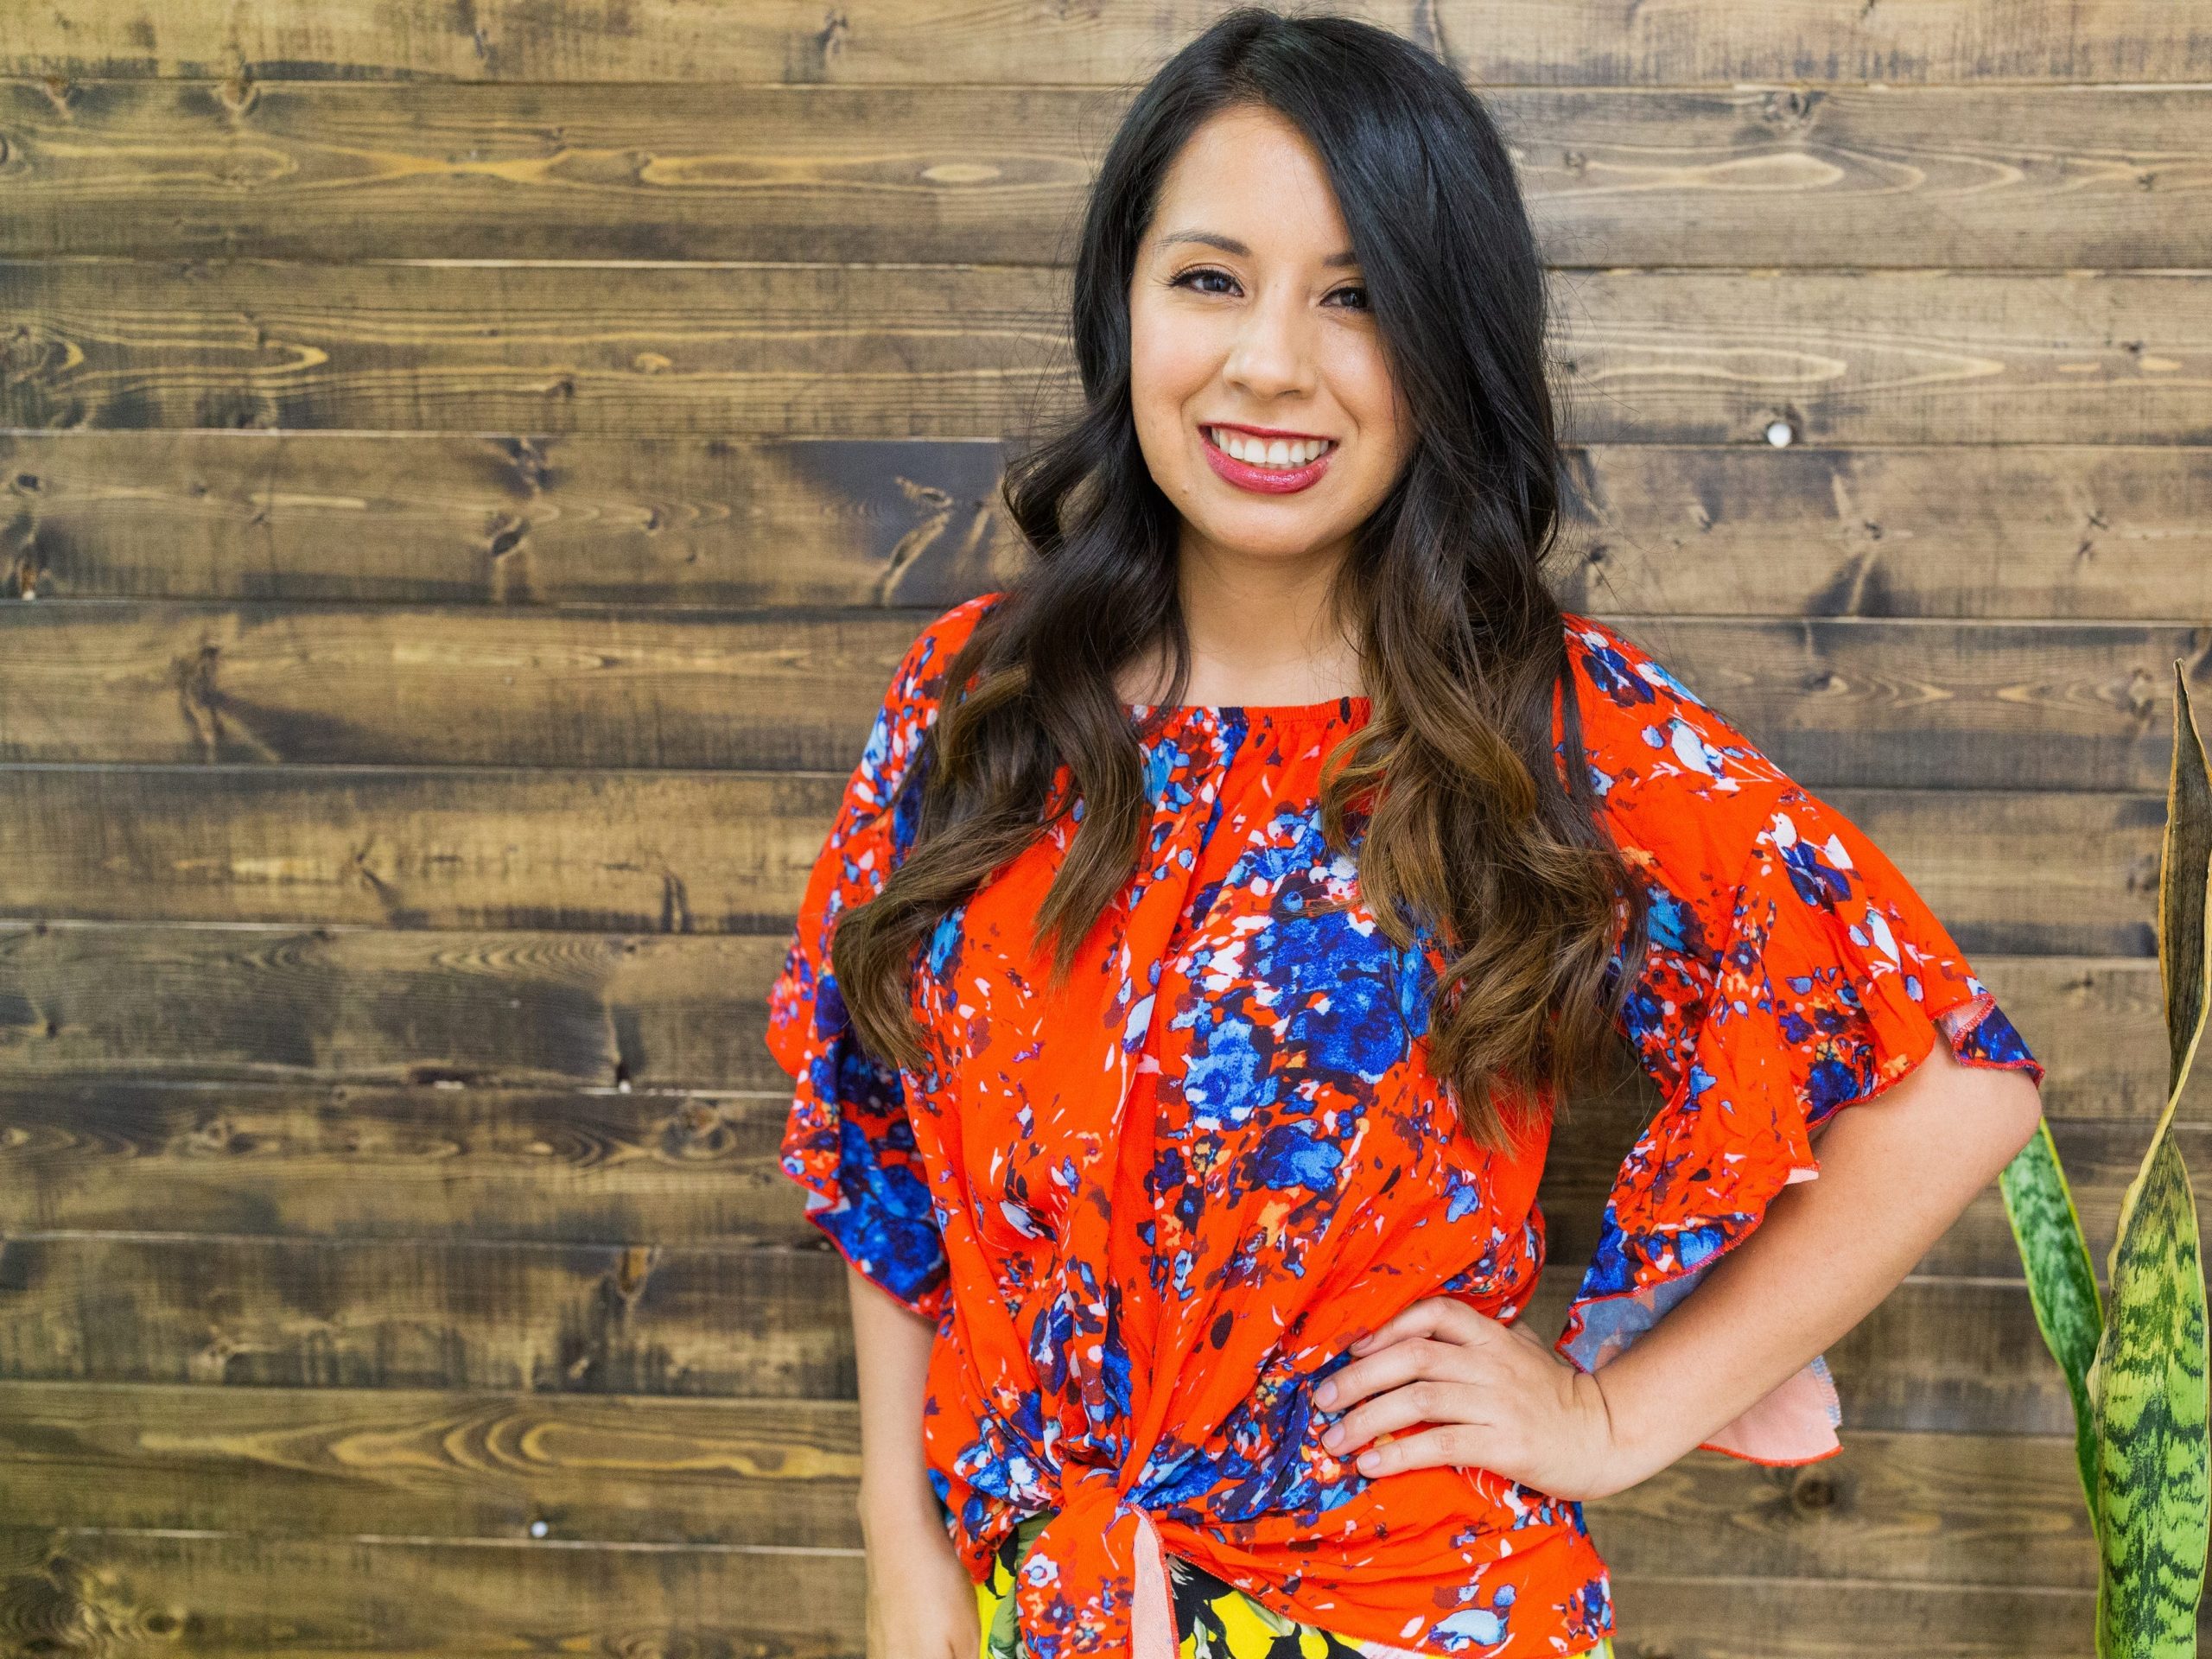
<point>1215,1620</point>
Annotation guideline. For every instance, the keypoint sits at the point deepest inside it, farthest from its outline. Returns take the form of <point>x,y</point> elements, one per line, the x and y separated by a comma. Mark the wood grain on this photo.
<point>1958,1354</point>
<point>670,852</point>
<point>474,1313</point>
<point>1998,176</point>
<point>1931,704</point>
<point>891,42</point>
<point>412,1463</point>
<point>694,1168</point>
<point>615,1163</point>
<point>863,351</point>
<point>2102,1157</point>
<point>229,1592</point>
<point>692,852</point>
<point>2027,531</point>
<point>132,1593</point>
<point>140,1002</point>
<point>466,473</point>
<point>779,1473</point>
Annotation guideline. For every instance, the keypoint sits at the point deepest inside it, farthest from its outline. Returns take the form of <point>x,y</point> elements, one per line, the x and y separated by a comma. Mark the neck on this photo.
<point>1262,630</point>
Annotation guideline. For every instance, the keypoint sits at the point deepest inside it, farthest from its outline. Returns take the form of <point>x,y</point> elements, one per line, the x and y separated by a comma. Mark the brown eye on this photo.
<point>1189,279</point>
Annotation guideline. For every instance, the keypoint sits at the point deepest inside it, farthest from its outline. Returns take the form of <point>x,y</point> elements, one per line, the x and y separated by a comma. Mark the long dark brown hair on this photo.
<point>1468,824</point>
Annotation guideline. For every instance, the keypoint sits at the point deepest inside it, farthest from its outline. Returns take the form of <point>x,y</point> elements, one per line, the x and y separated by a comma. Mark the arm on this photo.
<point>1784,997</point>
<point>891,1344</point>
<point>921,1604</point>
<point>852,1142</point>
<point>1896,1170</point>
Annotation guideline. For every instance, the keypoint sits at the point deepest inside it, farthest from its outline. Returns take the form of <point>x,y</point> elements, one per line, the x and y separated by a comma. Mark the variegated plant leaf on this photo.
<point>2061,1282</point>
<point>2149,1386</point>
<point>2184,853</point>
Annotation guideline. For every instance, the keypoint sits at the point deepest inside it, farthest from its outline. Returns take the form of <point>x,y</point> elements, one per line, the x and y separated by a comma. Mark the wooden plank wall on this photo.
<point>466,475</point>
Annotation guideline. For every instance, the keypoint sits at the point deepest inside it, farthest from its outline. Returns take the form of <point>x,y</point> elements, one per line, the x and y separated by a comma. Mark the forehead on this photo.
<point>1248,183</point>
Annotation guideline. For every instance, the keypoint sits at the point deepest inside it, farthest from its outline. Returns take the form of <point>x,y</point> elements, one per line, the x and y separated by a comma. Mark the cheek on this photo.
<point>1364,387</point>
<point>1170,362</point>
<point>1361,381</point>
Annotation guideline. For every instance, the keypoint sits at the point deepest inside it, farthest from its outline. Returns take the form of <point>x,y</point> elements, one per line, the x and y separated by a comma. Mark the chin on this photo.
<point>1278,546</point>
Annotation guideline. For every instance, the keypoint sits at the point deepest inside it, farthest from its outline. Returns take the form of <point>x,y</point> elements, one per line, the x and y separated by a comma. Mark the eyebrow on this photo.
<point>1230,244</point>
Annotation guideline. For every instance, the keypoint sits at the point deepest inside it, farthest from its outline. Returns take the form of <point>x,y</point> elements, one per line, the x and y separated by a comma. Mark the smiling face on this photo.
<point>1246,310</point>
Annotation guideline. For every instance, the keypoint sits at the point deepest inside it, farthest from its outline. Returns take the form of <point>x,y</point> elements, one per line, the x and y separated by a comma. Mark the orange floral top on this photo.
<point>1148,1208</point>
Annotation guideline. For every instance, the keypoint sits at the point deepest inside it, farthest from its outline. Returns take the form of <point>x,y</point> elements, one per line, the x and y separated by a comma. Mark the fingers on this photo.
<point>1412,1368</point>
<point>1400,1362</point>
<point>1431,1334</point>
<point>1425,1400</point>
<point>1448,1445</point>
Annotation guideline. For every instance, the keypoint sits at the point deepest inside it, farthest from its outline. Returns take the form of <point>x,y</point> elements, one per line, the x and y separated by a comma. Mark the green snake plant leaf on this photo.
<point>2185,856</point>
<point>2061,1282</point>
<point>2148,1384</point>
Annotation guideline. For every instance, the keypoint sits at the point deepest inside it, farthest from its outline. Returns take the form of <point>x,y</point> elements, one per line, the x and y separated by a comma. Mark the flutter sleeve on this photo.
<point>850,1140</point>
<point>1791,971</point>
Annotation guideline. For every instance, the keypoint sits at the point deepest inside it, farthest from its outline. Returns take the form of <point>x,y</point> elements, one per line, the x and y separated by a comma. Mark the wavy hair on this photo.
<point>1467,825</point>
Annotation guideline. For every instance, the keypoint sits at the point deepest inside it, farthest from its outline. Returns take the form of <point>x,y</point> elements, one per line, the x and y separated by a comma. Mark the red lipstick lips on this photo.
<point>1264,480</point>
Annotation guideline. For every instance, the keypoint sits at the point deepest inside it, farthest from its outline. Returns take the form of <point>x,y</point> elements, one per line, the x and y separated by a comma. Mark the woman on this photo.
<point>1215,917</point>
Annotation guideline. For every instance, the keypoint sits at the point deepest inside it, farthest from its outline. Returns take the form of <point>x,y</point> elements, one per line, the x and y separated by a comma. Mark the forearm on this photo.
<point>892,1347</point>
<point>1895,1172</point>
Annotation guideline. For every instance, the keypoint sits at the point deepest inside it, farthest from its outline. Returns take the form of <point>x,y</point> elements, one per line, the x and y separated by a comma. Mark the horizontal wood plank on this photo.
<point>618,1167</point>
<point>1732,1617</point>
<point>1976,1509</point>
<point>1854,703</point>
<point>788,41</point>
<point>1957,1355</point>
<point>2101,1157</point>
<point>230,1593</point>
<point>669,852</point>
<point>1907,1509</point>
<point>863,351</point>
<point>133,1000</point>
<point>295,1312</point>
<point>216,1596</point>
<point>412,1463</point>
<point>2019,872</point>
<point>433,701</point>
<point>2003,174</point>
<point>132,1004</point>
<point>636,1168</point>
<point>586,1167</point>
<point>615,1165</point>
<point>2028,530</point>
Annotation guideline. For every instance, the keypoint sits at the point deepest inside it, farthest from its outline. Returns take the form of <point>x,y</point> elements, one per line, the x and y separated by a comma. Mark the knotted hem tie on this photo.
<point>1095,1579</point>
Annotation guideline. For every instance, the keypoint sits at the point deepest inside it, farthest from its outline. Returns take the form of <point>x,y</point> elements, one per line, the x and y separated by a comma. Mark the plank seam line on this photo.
<point>437,1541</point>
<point>1732,1580</point>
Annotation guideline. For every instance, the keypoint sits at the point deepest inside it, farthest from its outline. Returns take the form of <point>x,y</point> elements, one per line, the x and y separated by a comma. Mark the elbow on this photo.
<point>2022,1102</point>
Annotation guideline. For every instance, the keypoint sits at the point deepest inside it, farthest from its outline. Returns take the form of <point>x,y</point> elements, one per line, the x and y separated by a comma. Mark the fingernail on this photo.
<point>1326,1393</point>
<point>1334,1436</point>
<point>1368,1462</point>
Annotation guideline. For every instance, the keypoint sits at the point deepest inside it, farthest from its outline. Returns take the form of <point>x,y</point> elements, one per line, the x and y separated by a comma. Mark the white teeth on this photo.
<point>1267,452</point>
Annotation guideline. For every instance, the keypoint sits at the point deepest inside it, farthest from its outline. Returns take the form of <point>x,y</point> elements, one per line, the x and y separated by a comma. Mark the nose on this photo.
<point>1272,355</point>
